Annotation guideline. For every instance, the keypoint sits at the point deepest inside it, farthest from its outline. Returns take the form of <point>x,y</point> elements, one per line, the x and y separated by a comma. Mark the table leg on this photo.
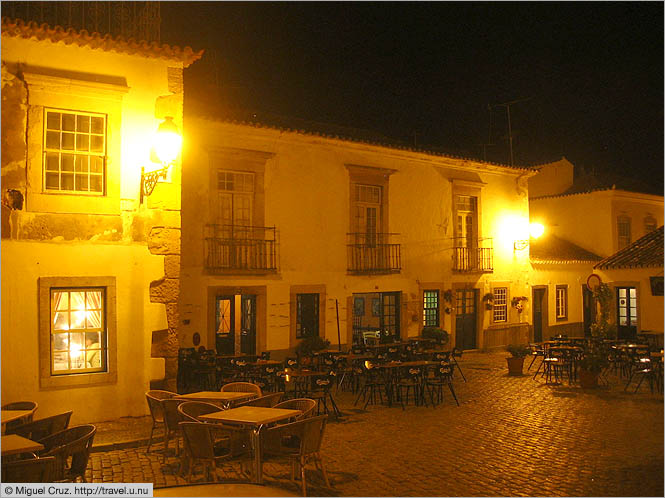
<point>256,446</point>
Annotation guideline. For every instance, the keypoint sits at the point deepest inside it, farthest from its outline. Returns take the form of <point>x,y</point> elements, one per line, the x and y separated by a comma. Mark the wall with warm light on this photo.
<point>78,235</point>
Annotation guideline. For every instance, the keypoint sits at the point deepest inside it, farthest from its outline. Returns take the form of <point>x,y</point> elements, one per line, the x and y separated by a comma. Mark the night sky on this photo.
<point>591,74</point>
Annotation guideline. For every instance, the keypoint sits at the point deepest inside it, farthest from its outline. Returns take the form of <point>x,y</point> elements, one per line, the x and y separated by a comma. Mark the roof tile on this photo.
<point>646,252</point>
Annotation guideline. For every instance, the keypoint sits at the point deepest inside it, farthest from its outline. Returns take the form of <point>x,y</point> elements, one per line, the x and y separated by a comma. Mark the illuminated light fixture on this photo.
<point>535,231</point>
<point>167,144</point>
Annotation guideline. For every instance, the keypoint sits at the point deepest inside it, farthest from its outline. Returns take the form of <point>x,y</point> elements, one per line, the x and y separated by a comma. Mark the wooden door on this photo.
<point>466,302</point>
<point>225,325</point>
<point>539,313</point>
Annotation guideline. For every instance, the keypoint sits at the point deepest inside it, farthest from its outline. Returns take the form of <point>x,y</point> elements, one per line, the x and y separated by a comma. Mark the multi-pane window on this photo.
<point>623,231</point>
<point>367,213</point>
<point>74,151</point>
<point>500,311</point>
<point>431,308</point>
<point>78,330</point>
<point>650,224</point>
<point>307,315</point>
<point>627,306</point>
<point>236,195</point>
<point>561,302</point>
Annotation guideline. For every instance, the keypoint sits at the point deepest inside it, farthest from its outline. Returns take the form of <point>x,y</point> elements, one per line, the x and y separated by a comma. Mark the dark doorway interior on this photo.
<point>466,303</point>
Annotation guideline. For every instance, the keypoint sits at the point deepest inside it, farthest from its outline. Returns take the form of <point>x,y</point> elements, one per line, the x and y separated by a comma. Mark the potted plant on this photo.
<point>309,345</point>
<point>516,303</point>
<point>593,361</point>
<point>488,299</point>
<point>516,359</point>
<point>448,300</point>
<point>439,335</point>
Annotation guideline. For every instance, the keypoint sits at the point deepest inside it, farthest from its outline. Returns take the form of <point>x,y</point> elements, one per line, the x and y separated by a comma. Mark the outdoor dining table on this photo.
<point>14,444</point>
<point>217,397</point>
<point>256,417</point>
<point>391,365</point>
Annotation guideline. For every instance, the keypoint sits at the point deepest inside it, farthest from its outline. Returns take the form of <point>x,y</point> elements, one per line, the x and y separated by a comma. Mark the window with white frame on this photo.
<point>623,231</point>
<point>367,213</point>
<point>500,310</point>
<point>78,330</point>
<point>74,152</point>
<point>235,198</point>
<point>431,308</point>
<point>561,302</point>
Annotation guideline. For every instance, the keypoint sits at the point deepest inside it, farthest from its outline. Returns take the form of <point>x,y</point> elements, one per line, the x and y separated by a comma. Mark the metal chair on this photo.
<point>436,378</point>
<point>71,449</point>
<point>300,443</point>
<point>30,470</point>
<point>43,427</point>
<point>154,399</point>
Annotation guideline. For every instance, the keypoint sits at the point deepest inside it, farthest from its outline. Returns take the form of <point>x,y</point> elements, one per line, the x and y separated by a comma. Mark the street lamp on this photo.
<point>166,147</point>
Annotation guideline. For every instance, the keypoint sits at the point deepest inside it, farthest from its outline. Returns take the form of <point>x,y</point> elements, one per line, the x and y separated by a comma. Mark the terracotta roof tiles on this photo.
<point>32,30</point>
<point>646,252</point>
<point>550,249</point>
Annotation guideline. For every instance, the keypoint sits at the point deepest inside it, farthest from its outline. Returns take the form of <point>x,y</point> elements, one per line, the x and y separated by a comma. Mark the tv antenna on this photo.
<point>510,130</point>
<point>489,135</point>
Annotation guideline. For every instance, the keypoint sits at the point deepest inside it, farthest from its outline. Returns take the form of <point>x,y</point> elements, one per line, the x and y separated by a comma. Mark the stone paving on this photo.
<point>511,436</point>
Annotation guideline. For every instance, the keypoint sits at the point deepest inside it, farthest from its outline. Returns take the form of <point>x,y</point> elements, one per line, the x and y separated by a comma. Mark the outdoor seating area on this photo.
<point>45,449</point>
<point>561,359</point>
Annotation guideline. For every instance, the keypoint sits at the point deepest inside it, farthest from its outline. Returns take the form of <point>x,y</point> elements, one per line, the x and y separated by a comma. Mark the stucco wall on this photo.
<point>307,197</point>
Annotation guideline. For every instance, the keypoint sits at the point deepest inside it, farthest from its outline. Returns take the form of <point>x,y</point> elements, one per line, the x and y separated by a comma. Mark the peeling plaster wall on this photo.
<point>72,235</point>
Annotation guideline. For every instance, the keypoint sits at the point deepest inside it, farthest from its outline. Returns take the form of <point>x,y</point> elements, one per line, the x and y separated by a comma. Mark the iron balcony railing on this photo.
<point>234,247</point>
<point>473,255</point>
<point>372,253</point>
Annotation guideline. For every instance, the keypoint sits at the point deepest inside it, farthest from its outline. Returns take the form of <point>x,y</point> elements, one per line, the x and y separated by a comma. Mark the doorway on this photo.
<point>466,302</point>
<point>231,336</point>
<point>626,313</point>
<point>588,309</point>
<point>539,295</point>
<point>376,317</point>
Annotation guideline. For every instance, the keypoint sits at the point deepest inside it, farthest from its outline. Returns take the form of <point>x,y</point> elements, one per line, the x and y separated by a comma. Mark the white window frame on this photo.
<point>50,379</point>
<point>500,305</point>
<point>561,302</point>
<point>436,298</point>
<point>59,152</point>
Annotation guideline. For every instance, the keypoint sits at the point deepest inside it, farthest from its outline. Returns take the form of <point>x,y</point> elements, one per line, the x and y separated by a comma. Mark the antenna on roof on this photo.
<point>510,130</point>
<point>489,135</point>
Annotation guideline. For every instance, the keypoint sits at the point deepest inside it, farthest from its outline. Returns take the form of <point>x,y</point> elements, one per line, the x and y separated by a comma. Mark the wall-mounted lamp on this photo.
<point>166,147</point>
<point>535,231</point>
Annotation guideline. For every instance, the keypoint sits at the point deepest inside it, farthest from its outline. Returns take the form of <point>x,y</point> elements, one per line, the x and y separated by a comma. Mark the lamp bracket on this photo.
<point>149,181</point>
<point>520,245</point>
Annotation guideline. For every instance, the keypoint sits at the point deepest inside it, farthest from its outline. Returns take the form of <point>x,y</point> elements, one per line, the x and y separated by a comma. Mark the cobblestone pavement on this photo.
<point>511,436</point>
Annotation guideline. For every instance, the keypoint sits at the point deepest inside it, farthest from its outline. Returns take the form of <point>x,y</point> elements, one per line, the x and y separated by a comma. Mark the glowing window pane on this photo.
<point>77,300</point>
<point>61,321</point>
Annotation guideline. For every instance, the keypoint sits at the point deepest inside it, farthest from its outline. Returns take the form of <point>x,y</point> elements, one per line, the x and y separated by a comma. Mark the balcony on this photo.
<point>475,257</point>
<point>371,254</point>
<point>240,249</point>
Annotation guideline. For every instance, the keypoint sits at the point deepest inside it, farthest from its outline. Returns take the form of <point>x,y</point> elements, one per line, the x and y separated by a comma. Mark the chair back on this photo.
<point>305,405</point>
<point>39,429</point>
<point>267,401</point>
<point>190,411</point>
<point>308,433</point>
<point>198,439</point>
<point>20,405</point>
<point>154,399</point>
<point>31,470</point>
<point>74,442</point>
<point>312,436</point>
<point>171,416</point>
<point>242,387</point>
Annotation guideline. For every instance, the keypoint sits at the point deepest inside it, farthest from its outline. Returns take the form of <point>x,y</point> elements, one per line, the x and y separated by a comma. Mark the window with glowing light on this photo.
<point>74,152</point>
<point>431,308</point>
<point>78,330</point>
<point>500,310</point>
<point>561,302</point>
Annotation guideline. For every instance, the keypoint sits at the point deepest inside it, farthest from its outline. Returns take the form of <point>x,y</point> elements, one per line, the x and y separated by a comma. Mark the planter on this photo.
<point>515,365</point>
<point>588,380</point>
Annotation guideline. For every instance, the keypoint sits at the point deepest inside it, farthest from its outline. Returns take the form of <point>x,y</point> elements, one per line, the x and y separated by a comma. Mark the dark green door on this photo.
<point>465,318</point>
<point>390,315</point>
<point>248,324</point>
<point>539,314</point>
<point>224,325</point>
<point>626,312</point>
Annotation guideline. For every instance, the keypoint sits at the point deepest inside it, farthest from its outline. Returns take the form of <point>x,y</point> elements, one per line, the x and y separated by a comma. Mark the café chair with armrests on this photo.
<point>242,387</point>
<point>154,399</point>
<point>267,401</point>
<point>298,442</point>
<point>71,449</point>
<point>43,427</point>
<point>29,470</point>
<point>20,405</point>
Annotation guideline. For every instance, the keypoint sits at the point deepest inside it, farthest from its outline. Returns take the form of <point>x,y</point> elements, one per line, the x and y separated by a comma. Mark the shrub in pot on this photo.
<point>516,359</point>
<point>310,345</point>
<point>593,361</point>
<point>439,335</point>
